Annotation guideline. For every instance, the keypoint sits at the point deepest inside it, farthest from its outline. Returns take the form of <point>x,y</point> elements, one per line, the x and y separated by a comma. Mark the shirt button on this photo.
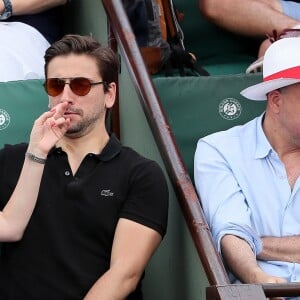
<point>67,173</point>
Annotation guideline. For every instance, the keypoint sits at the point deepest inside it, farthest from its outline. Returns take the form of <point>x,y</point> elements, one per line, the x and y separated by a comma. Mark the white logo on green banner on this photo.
<point>4,119</point>
<point>230,109</point>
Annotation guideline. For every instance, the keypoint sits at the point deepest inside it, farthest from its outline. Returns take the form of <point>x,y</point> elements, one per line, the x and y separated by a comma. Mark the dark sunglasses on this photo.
<point>80,86</point>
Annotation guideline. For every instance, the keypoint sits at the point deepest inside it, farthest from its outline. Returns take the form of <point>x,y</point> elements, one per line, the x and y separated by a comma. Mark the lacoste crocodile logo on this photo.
<point>106,193</point>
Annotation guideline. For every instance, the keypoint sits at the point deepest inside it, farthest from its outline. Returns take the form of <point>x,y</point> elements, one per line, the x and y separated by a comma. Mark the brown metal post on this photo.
<point>115,111</point>
<point>149,99</point>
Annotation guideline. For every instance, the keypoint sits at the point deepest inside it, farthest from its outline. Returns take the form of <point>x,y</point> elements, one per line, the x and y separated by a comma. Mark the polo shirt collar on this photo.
<point>111,149</point>
<point>263,147</point>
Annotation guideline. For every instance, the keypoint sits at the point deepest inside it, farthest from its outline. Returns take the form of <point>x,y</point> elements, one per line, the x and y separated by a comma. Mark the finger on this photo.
<point>60,108</point>
<point>57,122</point>
<point>61,127</point>
<point>61,124</point>
<point>45,116</point>
<point>67,124</point>
<point>281,280</point>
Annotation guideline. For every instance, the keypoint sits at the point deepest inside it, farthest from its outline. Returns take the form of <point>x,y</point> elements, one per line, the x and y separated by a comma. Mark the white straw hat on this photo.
<point>281,67</point>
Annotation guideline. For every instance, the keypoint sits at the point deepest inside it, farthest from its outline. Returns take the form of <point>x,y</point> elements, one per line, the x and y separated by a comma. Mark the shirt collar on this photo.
<point>111,149</point>
<point>263,147</point>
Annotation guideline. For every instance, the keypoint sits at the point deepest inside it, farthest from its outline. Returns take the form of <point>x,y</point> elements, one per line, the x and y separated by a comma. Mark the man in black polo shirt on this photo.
<point>102,208</point>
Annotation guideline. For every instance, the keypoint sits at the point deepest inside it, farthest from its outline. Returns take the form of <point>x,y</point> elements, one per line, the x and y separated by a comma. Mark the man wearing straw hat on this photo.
<point>248,177</point>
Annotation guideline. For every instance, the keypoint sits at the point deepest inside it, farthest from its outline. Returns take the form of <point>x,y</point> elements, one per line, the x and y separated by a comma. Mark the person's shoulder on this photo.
<point>15,149</point>
<point>12,156</point>
<point>140,166</point>
<point>136,159</point>
<point>132,162</point>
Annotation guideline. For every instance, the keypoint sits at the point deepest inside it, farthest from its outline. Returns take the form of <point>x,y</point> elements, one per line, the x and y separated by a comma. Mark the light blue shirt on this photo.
<point>244,191</point>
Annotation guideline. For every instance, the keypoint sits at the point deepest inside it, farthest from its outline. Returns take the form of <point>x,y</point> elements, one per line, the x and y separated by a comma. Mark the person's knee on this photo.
<point>204,6</point>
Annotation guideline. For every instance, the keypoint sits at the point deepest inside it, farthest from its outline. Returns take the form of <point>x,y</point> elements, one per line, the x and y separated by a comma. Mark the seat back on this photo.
<point>198,106</point>
<point>21,102</point>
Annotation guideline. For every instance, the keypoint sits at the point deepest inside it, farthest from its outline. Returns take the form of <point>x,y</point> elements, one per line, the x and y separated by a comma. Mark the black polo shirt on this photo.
<point>67,243</point>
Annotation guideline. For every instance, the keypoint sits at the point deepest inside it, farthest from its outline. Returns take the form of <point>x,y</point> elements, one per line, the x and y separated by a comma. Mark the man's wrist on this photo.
<point>35,158</point>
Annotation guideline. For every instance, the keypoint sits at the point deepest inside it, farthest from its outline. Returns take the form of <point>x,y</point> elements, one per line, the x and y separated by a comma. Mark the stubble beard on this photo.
<point>86,125</point>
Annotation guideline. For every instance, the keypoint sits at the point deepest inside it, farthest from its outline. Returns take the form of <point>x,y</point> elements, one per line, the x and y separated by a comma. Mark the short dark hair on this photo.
<point>107,60</point>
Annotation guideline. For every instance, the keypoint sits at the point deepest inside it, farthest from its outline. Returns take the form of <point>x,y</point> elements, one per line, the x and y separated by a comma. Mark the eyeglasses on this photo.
<point>80,86</point>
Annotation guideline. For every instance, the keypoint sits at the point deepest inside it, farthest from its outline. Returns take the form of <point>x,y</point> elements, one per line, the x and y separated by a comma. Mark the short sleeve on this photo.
<point>147,201</point>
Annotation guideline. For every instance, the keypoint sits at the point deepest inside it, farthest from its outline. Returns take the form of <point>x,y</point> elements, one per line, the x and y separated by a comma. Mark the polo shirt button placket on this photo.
<point>67,173</point>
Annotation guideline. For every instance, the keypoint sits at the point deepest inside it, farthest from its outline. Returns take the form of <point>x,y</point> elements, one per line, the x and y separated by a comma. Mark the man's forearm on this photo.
<point>112,286</point>
<point>240,258</point>
<point>22,7</point>
<point>242,262</point>
<point>281,249</point>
